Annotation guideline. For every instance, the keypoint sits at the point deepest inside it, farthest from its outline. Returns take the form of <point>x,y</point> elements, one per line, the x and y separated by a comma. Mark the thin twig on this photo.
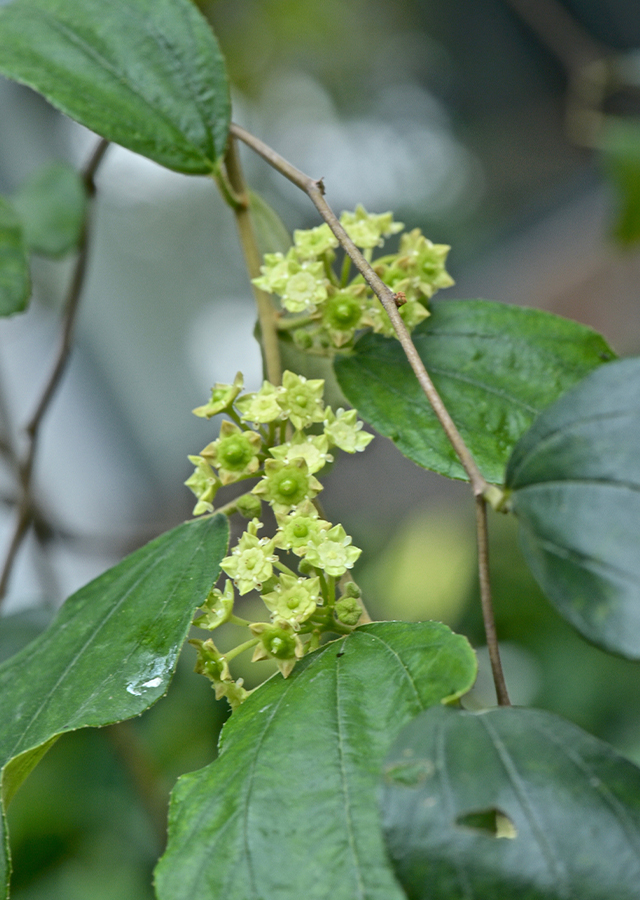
<point>266,313</point>
<point>315,190</point>
<point>487,606</point>
<point>25,511</point>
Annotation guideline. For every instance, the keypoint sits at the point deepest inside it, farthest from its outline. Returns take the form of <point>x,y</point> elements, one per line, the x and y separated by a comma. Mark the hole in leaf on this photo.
<point>490,822</point>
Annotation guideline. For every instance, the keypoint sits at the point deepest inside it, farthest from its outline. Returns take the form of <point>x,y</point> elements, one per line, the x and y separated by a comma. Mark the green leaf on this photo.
<point>271,234</point>
<point>620,148</point>
<point>147,74</point>
<point>111,651</point>
<point>15,282</point>
<point>575,478</point>
<point>510,803</point>
<point>495,366</point>
<point>51,206</point>
<point>289,808</point>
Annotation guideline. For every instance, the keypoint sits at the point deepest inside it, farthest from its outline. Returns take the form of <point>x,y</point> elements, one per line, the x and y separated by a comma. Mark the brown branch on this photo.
<point>266,313</point>
<point>25,468</point>
<point>315,191</point>
<point>487,605</point>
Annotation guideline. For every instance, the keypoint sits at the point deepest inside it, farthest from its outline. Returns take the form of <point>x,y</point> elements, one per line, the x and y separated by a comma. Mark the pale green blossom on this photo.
<point>204,483</point>
<point>222,396</point>
<point>314,449</point>
<point>217,608</point>
<point>299,528</point>
<point>286,485</point>
<point>314,242</point>
<point>301,399</point>
<point>294,600</point>
<point>334,553</point>
<point>262,406</point>
<point>251,561</point>
<point>367,230</point>
<point>344,430</point>
<point>234,453</point>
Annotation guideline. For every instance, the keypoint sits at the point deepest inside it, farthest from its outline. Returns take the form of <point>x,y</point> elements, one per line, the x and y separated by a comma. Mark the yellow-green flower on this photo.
<point>222,396</point>
<point>251,561</point>
<point>278,641</point>
<point>301,399</point>
<point>313,448</point>
<point>344,430</point>
<point>299,528</point>
<point>333,553</point>
<point>204,483</point>
<point>216,609</point>
<point>367,230</point>
<point>262,406</point>
<point>314,242</point>
<point>286,485</point>
<point>294,600</point>
<point>234,453</point>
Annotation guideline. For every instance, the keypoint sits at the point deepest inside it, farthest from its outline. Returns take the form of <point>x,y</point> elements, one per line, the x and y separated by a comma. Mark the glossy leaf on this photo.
<point>147,74</point>
<point>111,651</point>
<point>510,803</point>
<point>289,808</point>
<point>495,366</point>
<point>575,478</point>
<point>51,206</point>
<point>15,282</point>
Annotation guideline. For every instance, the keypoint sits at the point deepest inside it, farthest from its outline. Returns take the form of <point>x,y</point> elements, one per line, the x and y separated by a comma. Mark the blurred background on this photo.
<point>487,123</point>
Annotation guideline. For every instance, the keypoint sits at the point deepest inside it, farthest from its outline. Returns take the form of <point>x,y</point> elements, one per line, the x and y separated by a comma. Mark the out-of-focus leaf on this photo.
<point>575,478</point>
<point>15,283</point>
<point>289,808</point>
<point>111,651</point>
<point>51,206</point>
<point>147,74</point>
<point>495,366</point>
<point>510,803</point>
<point>620,148</point>
<point>271,233</point>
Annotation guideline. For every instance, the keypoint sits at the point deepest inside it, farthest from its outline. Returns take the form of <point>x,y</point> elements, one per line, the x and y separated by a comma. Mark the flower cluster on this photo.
<point>281,436</point>
<point>323,310</point>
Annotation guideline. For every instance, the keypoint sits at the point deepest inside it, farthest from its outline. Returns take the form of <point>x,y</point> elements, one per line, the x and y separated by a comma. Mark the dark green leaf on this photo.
<point>51,206</point>
<point>18,629</point>
<point>289,808</point>
<point>620,148</point>
<point>495,366</point>
<point>575,478</point>
<point>147,74</point>
<point>111,651</point>
<point>15,283</point>
<point>510,803</point>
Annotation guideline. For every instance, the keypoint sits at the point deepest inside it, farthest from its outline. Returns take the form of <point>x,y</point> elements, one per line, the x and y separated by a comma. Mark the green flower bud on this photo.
<point>235,453</point>
<point>348,610</point>
<point>249,506</point>
<point>286,485</point>
<point>351,589</point>
<point>301,399</point>
<point>294,599</point>
<point>216,609</point>
<point>345,431</point>
<point>342,311</point>
<point>302,339</point>
<point>222,397</point>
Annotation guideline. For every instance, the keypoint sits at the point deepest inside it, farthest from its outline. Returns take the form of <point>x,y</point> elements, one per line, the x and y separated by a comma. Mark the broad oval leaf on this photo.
<point>495,366</point>
<point>112,649</point>
<point>51,206</point>
<point>289,808</point>
<point>147,74</point>
<point>15,281</point>
<point>575,478</point>
<point>510,803</point>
